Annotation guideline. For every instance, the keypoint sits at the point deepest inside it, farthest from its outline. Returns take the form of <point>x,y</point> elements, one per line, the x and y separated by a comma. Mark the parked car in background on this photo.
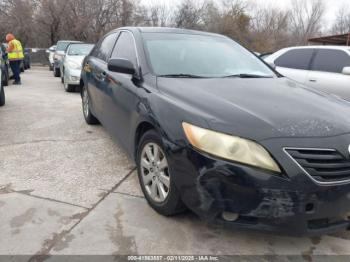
<point>27,60</point>
<point>2,89</point>
<point>265,55</point>
<point>60,52</point>
<point>51,53</point>
<point>72,65</point>
<point>235,142</point>
<point>4,66</point>
<point>326,68</point>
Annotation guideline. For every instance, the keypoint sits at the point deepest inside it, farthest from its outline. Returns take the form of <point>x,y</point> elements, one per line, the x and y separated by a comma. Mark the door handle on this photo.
<point>313,80</point>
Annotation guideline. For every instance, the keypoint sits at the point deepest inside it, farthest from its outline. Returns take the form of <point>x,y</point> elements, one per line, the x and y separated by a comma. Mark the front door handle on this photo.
<point>313,80</point>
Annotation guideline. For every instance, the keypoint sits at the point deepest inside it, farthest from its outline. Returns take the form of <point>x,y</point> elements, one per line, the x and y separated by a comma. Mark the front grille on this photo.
<point>323,165</point>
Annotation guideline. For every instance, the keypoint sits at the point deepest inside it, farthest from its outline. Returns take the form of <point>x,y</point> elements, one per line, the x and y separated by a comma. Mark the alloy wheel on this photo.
<point>155,172</point>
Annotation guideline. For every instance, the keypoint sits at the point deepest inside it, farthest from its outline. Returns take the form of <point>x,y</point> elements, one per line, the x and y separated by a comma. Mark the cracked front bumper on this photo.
<point>263,201</point>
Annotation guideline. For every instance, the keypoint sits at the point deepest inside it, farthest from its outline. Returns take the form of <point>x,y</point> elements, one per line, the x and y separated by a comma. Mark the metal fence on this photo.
<point>38,56</point>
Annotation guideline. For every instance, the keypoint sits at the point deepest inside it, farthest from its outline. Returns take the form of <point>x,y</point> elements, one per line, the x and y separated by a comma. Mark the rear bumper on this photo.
<point>262,201</point>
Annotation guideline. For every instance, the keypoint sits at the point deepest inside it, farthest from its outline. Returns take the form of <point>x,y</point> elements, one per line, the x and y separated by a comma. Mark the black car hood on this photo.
<point>259,108</point>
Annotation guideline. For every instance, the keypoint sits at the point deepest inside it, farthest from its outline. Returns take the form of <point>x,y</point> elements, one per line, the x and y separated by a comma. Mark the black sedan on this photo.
<point>214,129</point>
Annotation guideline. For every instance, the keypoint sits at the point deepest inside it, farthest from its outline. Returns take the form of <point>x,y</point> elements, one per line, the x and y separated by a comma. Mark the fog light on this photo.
<point>230,217</point>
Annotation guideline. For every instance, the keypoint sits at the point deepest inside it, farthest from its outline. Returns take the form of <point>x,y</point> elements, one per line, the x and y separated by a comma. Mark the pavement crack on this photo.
<point>59,238</point>
<point>130,195</point>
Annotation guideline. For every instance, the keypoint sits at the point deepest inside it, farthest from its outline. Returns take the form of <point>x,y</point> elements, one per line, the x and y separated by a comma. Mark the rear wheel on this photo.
<point>155,176</point>
<point>89,117</point>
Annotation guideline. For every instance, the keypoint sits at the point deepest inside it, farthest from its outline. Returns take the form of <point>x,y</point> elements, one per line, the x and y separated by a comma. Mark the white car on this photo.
<point>326,68</point>
<point>51,52</point>
<point>72,65</point>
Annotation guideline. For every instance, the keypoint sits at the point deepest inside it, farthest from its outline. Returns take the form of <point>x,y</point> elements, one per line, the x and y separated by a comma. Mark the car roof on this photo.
<point>68,41</point>
<point>167,30</point>
<point>336,47</point>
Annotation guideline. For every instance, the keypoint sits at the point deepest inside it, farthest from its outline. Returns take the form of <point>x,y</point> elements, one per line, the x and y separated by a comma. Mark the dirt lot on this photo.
<point>67,188</point>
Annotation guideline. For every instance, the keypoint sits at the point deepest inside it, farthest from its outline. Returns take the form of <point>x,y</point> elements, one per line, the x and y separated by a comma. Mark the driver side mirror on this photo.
<point>120,65</point>
<point>346,70</point>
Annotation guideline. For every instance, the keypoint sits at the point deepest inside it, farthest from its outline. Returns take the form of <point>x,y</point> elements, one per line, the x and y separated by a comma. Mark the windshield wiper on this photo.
<point>181,76</point>
<point>248,76</point>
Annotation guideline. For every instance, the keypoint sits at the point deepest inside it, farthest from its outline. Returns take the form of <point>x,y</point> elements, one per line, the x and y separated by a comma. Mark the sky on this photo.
<point>332,6</point>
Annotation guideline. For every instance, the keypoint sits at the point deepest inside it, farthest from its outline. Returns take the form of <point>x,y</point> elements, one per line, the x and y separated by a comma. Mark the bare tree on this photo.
<point>306,19</point>
<point>269,29</point>
<point>342,22</point>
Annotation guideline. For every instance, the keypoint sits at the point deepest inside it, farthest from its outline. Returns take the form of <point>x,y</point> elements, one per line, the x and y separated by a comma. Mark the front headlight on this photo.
<point>73,65</point>
<point>230,147</point>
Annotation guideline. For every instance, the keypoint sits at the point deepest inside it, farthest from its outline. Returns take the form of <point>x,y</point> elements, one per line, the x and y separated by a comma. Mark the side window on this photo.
<point>125,48</point>
<point>106,46</point>
<point>296,59</point>
<point>333,61</point>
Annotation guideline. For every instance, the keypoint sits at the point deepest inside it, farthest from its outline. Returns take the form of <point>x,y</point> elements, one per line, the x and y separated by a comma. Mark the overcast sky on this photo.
<point>331,6</point>
<point>331,10</point>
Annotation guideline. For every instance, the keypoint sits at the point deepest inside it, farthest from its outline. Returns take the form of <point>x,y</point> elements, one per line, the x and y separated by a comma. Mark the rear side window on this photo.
<point>296,59</point>
<point>104,50</point>
<point>125,48</point>
<point>333,61</point>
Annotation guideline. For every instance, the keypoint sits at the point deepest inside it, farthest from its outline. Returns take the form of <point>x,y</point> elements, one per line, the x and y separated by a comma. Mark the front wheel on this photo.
<point>89,117</point>
<point>155,176</point>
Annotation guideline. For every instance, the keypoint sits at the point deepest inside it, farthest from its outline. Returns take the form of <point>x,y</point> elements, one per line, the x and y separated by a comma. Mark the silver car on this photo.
<point>58,57</point>
<point>72,65</point>
<point>51,52</point>
<point>326,68</point>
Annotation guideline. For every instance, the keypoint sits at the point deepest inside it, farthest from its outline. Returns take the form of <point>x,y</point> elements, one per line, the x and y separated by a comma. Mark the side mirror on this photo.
<point>346,70</point>
<point>120,65</point>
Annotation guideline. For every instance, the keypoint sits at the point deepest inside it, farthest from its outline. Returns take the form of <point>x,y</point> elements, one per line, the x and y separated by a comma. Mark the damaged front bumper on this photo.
<point>259,200</point>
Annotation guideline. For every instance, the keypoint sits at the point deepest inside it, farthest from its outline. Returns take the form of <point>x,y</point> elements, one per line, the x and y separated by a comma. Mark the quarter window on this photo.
<point>296,59</point>
<point>105,49</point>
<point>125,48</point>
<point>333,61</point>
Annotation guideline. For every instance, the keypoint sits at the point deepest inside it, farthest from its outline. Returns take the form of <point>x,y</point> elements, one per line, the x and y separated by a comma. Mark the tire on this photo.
<point>5,81</point>
<point>90,119</point>
<point>2,95</point>
<point>169,202</point>
<point>56,72</point>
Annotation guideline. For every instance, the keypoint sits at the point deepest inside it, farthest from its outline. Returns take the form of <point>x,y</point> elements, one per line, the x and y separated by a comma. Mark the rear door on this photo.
<point>96,74</point>
<point>326,72</point>
<point>295,64</point>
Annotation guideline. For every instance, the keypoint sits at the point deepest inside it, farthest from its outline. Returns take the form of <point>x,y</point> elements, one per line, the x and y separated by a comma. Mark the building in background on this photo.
<point>343,39</point>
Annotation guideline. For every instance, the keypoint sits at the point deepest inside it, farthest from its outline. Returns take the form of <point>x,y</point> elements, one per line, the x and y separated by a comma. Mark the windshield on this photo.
<point>202,56</point>
<point>80,50</point>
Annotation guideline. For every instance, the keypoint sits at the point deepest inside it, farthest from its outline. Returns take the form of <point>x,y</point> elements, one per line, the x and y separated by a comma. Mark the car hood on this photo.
<point>259,108</point>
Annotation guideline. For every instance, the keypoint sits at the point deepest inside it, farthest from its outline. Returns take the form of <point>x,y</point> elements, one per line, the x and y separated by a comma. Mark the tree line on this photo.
<point>41,23</point>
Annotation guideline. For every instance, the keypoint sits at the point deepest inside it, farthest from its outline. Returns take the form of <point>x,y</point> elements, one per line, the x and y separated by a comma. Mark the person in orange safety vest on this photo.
<point>15,56</point>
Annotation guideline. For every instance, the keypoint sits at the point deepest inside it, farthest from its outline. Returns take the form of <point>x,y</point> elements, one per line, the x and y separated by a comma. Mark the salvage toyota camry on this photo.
<point>214,129</point>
